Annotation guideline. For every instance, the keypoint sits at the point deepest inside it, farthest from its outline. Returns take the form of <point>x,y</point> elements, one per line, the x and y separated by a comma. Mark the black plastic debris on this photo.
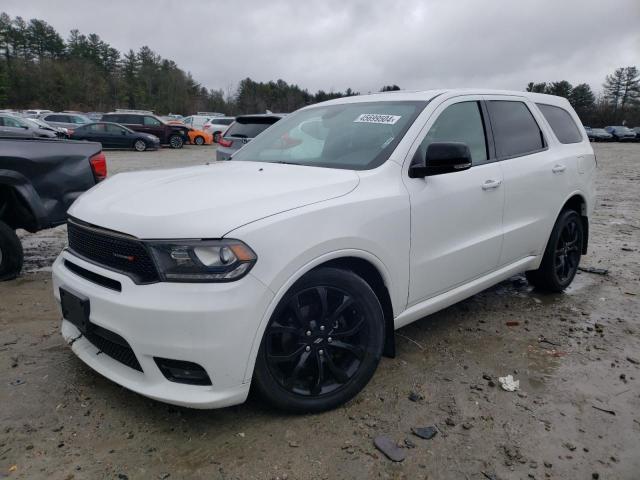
<point>425,432</point>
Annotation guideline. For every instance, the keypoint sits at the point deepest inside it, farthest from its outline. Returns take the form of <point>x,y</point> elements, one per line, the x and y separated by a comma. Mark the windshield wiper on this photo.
<point>286,163</point>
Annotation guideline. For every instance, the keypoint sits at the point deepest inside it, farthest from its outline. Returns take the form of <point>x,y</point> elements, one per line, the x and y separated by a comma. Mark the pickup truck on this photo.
<point>39,180</point>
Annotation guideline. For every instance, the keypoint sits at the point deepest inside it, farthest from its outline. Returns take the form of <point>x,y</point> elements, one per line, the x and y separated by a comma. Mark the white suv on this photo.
<point>291,265</point>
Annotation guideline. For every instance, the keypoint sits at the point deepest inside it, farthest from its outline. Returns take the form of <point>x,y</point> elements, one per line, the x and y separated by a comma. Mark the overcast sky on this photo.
<point>364,44</point>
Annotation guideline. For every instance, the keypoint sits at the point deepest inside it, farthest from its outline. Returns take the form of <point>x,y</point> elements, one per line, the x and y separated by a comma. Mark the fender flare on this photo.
<point>28,194</point>
<point>279,294</point>
<point>564,202</point>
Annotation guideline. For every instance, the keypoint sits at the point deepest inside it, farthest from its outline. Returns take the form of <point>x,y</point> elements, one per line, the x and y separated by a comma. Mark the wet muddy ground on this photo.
<point>576,355</point>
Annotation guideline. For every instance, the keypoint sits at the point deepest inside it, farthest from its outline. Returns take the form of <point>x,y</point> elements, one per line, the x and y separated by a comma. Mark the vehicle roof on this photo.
<point>425,95</point>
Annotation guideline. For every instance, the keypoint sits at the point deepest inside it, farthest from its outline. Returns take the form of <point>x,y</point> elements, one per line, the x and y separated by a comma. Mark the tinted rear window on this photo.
<point>561,123</point>
<point>56,118</point>
<point>221,121</point>
<point>515,130</point>
<point>250,128</point>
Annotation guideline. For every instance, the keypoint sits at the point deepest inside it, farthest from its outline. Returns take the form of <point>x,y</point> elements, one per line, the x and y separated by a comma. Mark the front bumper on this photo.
<point>211,324</point>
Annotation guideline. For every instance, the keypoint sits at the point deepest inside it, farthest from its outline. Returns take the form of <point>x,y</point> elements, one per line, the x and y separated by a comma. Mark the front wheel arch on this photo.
<point>344,257</point>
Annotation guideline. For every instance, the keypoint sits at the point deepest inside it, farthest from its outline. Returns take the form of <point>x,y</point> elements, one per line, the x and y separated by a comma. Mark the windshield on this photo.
<point>36,123</point>
<point>354,136</point>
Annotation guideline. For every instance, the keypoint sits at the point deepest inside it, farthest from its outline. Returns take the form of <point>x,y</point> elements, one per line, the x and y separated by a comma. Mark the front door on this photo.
<point>456,218</point>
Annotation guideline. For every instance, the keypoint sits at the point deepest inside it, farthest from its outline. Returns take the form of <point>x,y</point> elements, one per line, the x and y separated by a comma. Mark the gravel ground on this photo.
<point>576,355</point>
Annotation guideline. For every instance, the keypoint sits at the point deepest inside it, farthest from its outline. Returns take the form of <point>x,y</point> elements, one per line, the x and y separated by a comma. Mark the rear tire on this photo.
<point>216,137</point>
<point>176,141</point>
<point>199,141</point>
<point>322,344</point>
<point>562,255</point>
<point>11,254</point>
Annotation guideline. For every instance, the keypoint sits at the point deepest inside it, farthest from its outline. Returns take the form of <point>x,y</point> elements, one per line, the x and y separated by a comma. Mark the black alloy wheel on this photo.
<point>176,141</point>
<point>322,343</point>
<point>568,249</point>
<point>562,255</point>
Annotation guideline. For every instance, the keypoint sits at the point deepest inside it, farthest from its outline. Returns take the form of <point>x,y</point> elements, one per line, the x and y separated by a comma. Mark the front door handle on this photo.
<point>491,184</point>
<point>558,168</point>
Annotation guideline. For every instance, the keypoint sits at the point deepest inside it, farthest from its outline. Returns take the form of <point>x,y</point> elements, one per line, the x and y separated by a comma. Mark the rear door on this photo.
<point>456,218</point>
<point>535,176</point>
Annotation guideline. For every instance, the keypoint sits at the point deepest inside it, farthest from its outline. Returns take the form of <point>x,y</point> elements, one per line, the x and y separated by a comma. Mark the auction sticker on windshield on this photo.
<point>377,118</point>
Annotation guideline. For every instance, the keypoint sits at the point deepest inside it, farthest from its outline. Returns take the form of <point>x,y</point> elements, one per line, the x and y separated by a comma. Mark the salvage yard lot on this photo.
<point>576,356</point>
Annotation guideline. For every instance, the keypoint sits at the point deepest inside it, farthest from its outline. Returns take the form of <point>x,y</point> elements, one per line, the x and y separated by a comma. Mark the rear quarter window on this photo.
<point>561,123</point>
<point>516,132</point>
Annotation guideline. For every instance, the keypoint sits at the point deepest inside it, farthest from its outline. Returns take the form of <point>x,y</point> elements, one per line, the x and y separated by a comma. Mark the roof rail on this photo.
<point>212,114</point>
<point>127,110</point>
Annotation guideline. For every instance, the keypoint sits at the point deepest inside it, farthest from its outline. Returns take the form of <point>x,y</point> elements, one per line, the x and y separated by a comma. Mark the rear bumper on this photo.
<point>212,325</point>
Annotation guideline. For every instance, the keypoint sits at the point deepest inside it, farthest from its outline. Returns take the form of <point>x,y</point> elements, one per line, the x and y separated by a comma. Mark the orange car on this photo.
<point>198,137</point>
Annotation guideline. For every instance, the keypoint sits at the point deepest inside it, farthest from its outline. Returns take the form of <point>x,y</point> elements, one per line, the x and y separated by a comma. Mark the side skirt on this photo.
<point>432,305</point>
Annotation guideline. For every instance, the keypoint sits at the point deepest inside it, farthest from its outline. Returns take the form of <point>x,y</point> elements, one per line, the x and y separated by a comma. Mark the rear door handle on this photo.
<point>558,168</point>
<point>491,184</point>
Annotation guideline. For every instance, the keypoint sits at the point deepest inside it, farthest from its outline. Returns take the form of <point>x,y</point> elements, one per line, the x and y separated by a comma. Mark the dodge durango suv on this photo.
<point>288,268</point>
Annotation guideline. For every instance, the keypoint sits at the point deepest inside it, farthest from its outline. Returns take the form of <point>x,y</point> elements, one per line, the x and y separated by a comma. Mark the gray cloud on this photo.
<point>366,44</point>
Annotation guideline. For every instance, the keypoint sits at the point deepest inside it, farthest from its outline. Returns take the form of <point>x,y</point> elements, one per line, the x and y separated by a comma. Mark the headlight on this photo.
<point>202,260</point>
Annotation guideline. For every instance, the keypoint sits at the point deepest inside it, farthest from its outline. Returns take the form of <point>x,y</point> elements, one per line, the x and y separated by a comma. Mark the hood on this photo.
<point>206,201</point>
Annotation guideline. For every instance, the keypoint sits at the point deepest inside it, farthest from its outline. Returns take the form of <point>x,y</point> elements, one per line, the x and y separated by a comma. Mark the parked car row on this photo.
<point>618,133</point>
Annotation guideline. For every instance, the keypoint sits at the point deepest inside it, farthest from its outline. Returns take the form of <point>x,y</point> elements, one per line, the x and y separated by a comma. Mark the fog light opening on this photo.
<point>180,371</point>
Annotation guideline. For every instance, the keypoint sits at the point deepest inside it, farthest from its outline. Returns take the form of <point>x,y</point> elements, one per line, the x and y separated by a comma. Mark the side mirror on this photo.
<point>441,157</point>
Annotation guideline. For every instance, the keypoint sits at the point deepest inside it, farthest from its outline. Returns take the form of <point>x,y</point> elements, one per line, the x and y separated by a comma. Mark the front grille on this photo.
<point>113,345</point>
<point>112,250</point>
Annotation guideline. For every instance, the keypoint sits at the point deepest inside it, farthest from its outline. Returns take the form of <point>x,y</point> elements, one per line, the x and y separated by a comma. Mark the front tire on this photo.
<point>11,255</point>
<point>140,145</point>
<point>199,141</point>
<point>322,344</point>
<point>562,255</point>
<point>176,141</point>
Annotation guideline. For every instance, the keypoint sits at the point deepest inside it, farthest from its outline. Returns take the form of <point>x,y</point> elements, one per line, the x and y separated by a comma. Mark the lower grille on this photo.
<point>113,345</point>
<point>112,250</point>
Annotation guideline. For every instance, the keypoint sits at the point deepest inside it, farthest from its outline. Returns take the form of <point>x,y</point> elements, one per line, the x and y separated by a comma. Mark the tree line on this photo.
<point>618,104</point>
<point>40,69</point>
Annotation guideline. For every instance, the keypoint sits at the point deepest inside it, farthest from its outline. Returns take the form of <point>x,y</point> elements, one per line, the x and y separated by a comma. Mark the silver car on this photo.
<point>70,121</point>
<point>12,126</point>
<point>242,131</point>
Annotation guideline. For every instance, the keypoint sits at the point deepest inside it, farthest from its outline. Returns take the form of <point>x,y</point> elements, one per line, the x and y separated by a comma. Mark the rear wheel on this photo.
<point>199,141</point>
<point>562,255</point>
<point>322,344</point>
<point>140,145</point>
<point>11,255</point>
<point>176,141</point>
<point>216,136</point>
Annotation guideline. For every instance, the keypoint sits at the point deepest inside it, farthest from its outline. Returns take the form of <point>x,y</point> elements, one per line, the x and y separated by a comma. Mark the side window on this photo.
<point>561,123</point>
<point>10,122</point>
<point>114,129</point>
<point>151,122</point>
<point>461,122</point>
<point>515,131</point>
